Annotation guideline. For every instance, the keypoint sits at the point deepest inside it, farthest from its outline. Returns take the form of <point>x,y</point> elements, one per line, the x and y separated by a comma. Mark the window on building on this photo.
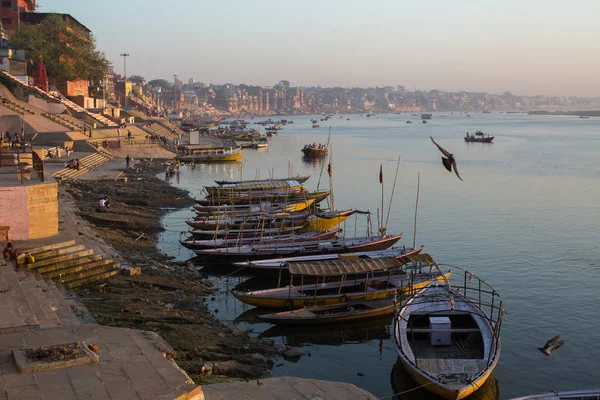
<point>6,3</point>
<point>7,22</point>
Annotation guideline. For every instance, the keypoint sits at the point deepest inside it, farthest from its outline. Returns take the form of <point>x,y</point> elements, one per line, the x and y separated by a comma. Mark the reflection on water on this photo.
<point>332,335</point>
<point>406,388</point>
<point>525,219</point>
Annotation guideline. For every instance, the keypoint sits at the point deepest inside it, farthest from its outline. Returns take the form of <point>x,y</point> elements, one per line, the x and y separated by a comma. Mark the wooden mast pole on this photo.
<point>416,210</point>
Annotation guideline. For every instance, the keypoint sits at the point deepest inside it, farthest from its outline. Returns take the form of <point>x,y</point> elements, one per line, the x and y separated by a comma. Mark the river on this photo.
<point>525,219</point>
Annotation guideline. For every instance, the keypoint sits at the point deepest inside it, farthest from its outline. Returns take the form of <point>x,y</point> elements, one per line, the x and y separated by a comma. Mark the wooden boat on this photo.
<point>258,240</point>
<point>310,222</point>
<point>294,206</point>
<point>262,251</point>
<point>280,265</point>
<point>257,188</point>
<point>254,198</point>
<point>300,179</point>
<point>212,155</point>
<point>591,394</point>
<point>314,152</point>
<point>337,313</point>
<point>478,137</point>
<point>243,233</point>
<point>362,287</point>
<point>448,336</point>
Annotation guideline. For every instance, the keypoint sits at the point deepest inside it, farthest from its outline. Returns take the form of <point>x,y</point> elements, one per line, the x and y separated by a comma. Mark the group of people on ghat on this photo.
<point>315,146</point>
<point>14,140</point>
<point>73,164</point>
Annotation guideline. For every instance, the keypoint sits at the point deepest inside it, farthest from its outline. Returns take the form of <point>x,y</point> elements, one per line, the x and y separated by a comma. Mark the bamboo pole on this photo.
<point>416,211</point>
<point>381,224</point>
<point>393,190</point>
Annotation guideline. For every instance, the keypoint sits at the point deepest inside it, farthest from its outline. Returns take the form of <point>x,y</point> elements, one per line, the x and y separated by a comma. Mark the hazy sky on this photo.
<point>523,46</point>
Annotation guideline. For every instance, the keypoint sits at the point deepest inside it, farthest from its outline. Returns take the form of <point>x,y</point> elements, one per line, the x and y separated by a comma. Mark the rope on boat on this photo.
<point>393,396</point>
<point>234,272</point>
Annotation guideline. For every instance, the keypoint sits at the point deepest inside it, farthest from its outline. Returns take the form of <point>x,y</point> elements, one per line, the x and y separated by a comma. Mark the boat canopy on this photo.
<point>418,258</point>
<point>262,185</point>
<point>345,265</point>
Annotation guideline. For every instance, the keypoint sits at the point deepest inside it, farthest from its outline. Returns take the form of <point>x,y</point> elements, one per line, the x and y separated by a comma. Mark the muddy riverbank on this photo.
<point>170,298</point>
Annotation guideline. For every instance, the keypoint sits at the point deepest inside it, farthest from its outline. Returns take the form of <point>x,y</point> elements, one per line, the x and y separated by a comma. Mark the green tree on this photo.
<point>67,51</point>
<point>162,83</point>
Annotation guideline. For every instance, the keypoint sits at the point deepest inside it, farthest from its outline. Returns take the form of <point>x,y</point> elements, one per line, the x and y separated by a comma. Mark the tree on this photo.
<point>67,51</point>
<point>162,83</point>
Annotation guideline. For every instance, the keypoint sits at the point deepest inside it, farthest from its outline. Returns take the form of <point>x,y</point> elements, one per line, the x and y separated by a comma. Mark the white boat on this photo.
<point>276,264</point>
<point>592,394</point>
<point>448,336</point>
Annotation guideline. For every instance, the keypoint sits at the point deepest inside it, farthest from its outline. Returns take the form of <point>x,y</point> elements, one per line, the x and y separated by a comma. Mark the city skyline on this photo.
<point>538,48</point>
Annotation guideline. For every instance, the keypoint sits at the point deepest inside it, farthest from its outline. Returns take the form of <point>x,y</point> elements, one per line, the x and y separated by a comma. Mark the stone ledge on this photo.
<point>25,366</point>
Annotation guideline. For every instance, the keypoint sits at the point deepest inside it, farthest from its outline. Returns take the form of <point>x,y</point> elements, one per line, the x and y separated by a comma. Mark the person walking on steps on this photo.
<point>127,159</point>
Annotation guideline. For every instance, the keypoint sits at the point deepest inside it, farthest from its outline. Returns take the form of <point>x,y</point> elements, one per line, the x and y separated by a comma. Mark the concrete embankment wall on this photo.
<point>31,211</point>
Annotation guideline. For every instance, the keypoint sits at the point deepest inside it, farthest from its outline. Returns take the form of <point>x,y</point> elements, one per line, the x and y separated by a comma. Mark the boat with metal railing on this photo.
<point>447,334</point>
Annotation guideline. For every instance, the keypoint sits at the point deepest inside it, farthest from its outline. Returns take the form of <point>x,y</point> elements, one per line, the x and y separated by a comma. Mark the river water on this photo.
<point>525,219</point>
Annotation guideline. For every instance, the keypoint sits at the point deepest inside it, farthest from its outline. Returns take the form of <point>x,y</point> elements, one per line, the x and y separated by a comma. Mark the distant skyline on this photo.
<point>527,48</point>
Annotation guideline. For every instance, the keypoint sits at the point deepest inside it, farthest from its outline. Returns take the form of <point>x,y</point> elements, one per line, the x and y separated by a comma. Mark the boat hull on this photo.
<point>205,158</point>
<point>440,389</point>
<point>314,153</point>
<point>299,179</point>
<point>378,308</point>
<point>305,301</point>
<point>479,140</point>
<point>296,249</point>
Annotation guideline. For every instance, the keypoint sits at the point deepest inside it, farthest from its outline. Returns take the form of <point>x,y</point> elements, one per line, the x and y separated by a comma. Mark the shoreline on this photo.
<point>170,298</point>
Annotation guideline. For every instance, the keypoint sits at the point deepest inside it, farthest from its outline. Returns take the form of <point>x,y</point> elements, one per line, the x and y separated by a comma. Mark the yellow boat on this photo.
<point>325,221</point>
<point>364,288</point>
<point>271,208</point>
<point>226,156</point>
<point>448,335</point>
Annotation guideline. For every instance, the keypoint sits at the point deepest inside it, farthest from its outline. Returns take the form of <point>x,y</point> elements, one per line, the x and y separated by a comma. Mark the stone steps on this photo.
<point>16,312</point>
<point>87,164</point>
<point>65,273</point>
<point>51,254</point>
<point>92,271</point>
<point>50,269</point>
<point>94,278</point>
<point>60,259</point>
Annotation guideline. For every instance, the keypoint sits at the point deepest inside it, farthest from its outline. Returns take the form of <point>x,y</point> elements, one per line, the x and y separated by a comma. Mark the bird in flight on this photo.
<point>448,161</point>
<point>551,344</point>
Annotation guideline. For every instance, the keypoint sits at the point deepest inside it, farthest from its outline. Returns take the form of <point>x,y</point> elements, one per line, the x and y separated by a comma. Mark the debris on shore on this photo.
<point>167,297</point>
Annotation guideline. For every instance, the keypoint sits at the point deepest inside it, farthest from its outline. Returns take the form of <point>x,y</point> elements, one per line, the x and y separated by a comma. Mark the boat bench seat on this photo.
<point>449,366</point>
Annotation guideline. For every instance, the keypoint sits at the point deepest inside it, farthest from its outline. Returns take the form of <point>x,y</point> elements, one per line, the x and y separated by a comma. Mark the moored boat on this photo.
<point>447,334</point>
<point>299,178</point>
<point>256,188</point>
<point>245,198</point>
<point>591,394</point>
<point>265,207</point>
<point>263,251</point>
<point>337,313</point>
<point>232,155</point>
<point>243,233</point>
<point>258,240</point>
<point>364,285</point>
<point>280,265</point>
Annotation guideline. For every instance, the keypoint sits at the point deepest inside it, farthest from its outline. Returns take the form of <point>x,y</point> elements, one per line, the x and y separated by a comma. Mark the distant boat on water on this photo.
<point>425,116</point>
<point>478,137</point>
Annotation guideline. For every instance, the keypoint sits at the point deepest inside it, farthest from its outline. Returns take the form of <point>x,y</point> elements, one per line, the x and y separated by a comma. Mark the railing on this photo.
<point>461,286</point>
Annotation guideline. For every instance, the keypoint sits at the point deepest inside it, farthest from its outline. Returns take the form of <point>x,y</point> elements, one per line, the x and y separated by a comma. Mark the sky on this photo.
<point>527,47</point>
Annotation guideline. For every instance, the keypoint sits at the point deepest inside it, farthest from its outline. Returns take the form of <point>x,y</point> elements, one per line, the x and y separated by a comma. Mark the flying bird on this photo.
<point>448,161</point>
<point>550,345</point>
